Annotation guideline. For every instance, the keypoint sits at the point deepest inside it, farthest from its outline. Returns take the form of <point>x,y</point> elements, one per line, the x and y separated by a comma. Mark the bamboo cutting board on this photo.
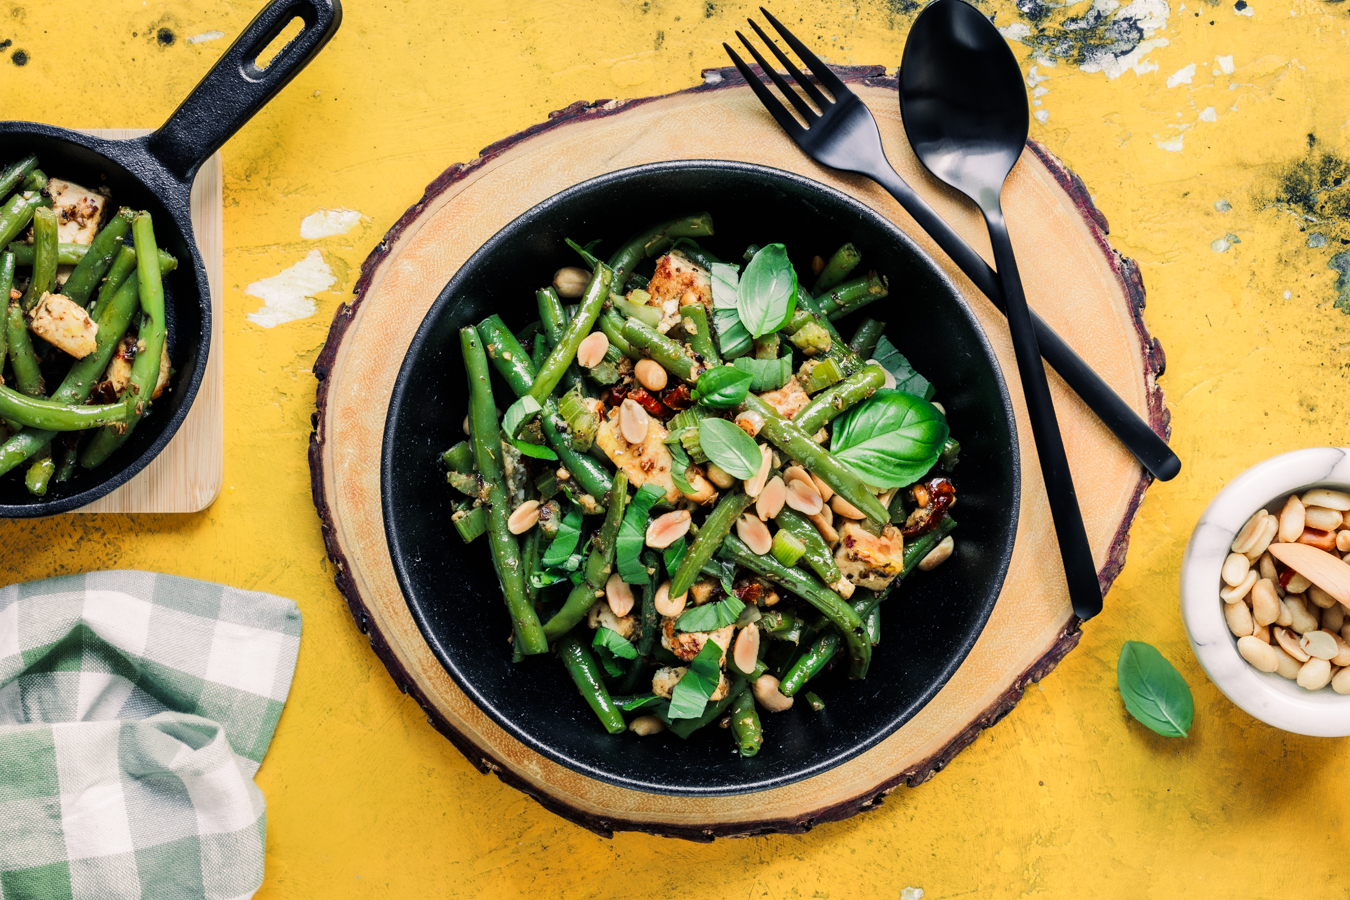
<point>1083,288</point>
<point>187,474</point>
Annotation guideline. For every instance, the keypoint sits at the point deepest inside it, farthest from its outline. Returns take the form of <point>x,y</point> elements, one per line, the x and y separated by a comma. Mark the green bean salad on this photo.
<point>701,492</point>
<point>84,315</point>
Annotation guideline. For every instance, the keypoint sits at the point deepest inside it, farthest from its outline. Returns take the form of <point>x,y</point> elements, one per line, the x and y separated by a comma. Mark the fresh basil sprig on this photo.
<point>1154,691</point>
<point>692,692</point>
<point>732,338</point>
<point>633,534</point>
<point>767,292</point>
<point>724,387</point>
<point>734,451</point>
<point>891,439</point>
<point>906,379</point>
<point>710,616</point>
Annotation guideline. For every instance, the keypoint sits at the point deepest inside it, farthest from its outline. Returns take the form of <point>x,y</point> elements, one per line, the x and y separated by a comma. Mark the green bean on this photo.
<point>66,467</point>
<point>700,335</point>
<point>152,333</point>
<point>715,530</point>
<point>51,415</point>
<point>797,444</point>
<point>518,373</point>
<point>672,357</point>
<point>43,280</point>
<point>17,212</point>
<point>15,173</point>
<point>6,285</point>
<point>844,260</point>
<point>818,555</point>
<point>854,295</point>
<point>565,352</point>
<point>40,474</point>
<point>27,375</point>
<point>471,524</point>
<point>950,455</point>
<point>649,243</point>
<point>866,337</point>
<point>835,399</point>
<point>113,320</point>
<point>36,180</point>
<point>553,322</point>
<point>810,664</point>
<point>611,323</point>
<point>814,702</point>
<point>781,626</point>
<point>806,586</point>
<point>106,247</point>
<point>581,665</point>
<point>531,554</point>
<point>745,725</point>
<point>696,254</point>
<point>459,458</point>
<point>66,254</point>
<point>121,270</point>
<point>872,624</point>
<point>583,423</point>
<point>684,727</point>
<point>648,621</point>
<point>599,566</point>
<point>487,450</point>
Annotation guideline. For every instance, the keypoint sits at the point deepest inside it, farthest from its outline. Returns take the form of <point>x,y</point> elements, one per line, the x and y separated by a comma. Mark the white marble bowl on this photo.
<point>1265,696</point>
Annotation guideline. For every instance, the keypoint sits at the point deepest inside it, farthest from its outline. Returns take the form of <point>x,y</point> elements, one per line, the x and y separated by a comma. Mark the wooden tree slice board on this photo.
<point>187,475</point>
<point>1083,288</point>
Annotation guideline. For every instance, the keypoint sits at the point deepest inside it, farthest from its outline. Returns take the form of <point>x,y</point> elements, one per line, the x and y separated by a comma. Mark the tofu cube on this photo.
<point>78,211</point>
<point>64,324</point>
<point>678,281</point>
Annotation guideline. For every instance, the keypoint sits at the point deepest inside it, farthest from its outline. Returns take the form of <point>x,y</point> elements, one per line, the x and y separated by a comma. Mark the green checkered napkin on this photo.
<point>134,710</point>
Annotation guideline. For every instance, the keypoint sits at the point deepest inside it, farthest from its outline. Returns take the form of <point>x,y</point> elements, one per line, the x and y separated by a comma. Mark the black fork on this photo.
<point>841,133</point>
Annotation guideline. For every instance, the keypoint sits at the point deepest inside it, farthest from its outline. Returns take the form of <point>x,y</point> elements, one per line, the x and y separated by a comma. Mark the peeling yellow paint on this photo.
<point>1066,797</point>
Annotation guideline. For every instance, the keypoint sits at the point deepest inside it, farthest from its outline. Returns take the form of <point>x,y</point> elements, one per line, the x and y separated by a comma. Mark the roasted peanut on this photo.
<point>669,606</point>
<point>1239,619</point>
<point>1289,642</point>
<point>1267,569</point>
<point>1237,593</point>
<point>746,653</point>
<point>756,484</point>
<point>525,517</point>
<point>1303,618</point>
<point>1321,518</point>
<point>1341,683</point>
<point>619,595</point>
<point>1269,526</point>
<point>1320,598</point>
<point>1291,520</point>
<point>1265,602</point>
<point>1289,666</point>
<point>571,281</point>
<point>1248,533</point>
<point>1333,619</point>
<point>755,534</point>
<point>1318,644</point>
<point>1315,674</point>
<point>1260,655</point>
<point>650,375</point>
<point>770,501</point>
<point>719,476</point>
<point>645,725</point>
<point>667,529</point>
<point>1235,569</point>
<point>1337,500</point>
<point>938,555</point>
<point>1297,584</point>
<point>633,421</point>
<point>1322,540</point>
<point>591,350</point>
<point>843,508</point>
<point>1343,541</point>
<point>768,696</point>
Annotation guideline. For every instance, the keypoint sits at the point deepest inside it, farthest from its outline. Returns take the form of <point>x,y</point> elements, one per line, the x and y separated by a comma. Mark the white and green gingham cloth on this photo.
<point>134,710</point>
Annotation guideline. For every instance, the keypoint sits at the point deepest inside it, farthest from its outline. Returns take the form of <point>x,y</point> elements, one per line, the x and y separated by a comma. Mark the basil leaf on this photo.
<point>766,374</point>
<point>610,646</point>
<point>633,535</point>
<point>891,439</point>
<point>724,570</point>
<point>1154,691</point>
<point>679,463</point>
<point>710,616</point>
<point>734,451</point>
<point>564,544</point>
<point>906,379</point>
<point>767,291</point>
<point>537,451</point>
<point>638,701</point>
<point>692,691</point>
<point>674,555</point>
<point>518,415</point>
<point>732,338</point>
<point>724,387</point>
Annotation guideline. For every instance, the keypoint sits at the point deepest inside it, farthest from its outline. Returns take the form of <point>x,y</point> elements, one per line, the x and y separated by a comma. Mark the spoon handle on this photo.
<point>1132,431</point>
<point>1081,572</point>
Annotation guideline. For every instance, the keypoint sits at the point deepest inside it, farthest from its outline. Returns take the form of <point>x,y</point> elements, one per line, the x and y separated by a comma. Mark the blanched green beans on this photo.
<point>835,399</point>
<point>16,172</point>
<point>43,279</point>
<point>599,565</point>
<point>714,531</point>
<point>487,455</point>
<point>866,337</point>
<point>665,351</point>
<point>646,244</point>
<point>853,295</point>
<point>844,260</point>
<point>565,351</point>
<point>810,664</point>
<point>100,256</point>
<point>16,213</point>
<point>580,664</point>
<point>817,555</point>
<point>49,415</point>
<point>745,725</point>
<point>700,335</point>
<point>27,375</point>
<point>789,437</point>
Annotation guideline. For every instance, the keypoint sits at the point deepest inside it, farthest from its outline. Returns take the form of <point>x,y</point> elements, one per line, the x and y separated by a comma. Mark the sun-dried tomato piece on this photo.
<point>678,397</point>
<point>941,496</point>
<point>648,402</point>
<point>617,392</point>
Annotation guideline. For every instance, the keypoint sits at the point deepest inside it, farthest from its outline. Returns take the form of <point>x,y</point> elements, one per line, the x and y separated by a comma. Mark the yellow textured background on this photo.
<point>1067,796</point>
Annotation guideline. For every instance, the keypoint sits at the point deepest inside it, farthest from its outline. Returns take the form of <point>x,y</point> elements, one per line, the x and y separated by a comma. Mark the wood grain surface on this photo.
<point>1083,288</point>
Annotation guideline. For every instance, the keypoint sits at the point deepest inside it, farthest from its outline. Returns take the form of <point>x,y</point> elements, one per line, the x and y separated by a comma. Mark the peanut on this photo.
<point>669,606</point>
<point>1239,619</point>
<point>1238,592</point>
<point>1320,598</point>
<point>1333,619</point>
<point>804,498</point>
<point>1260,655</point>
<point>755,534</point>
<point>633,421</point>
<point>1235,569</point>
<point>1267,567</point>
<point>1321,518</point>
<point>619,595</point>
<point>591,351</point>
<point>650,375</point>
<point>1288,641</point>
<point>1265,602</point>
<point>1291,520</point>
<point>1298,584</point>
<point>844,508</point>
<point>826,492</point>
<point>571,281</point>
<point>770,501</point>
<point>1315,674</point>
<point>1248,533</point>
<point>1269,526</point>
<point>756,484</point>
<point>719,476</point>
<point>1318,644</point>
<point>768,696</point>
<point>746,653</point>
<point>667,529</point>
<point>938,555</point>
<point>1343,541</point>
<point>1341,683</point>
<point>645,725</point>
<point>525,517</point>
<point>1337,500</point>
<point>1288,665</point>
<point>1303,618</point>
<point>750,422</point>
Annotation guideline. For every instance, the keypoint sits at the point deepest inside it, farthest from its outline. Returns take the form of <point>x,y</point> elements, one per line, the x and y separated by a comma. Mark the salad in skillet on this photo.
<point>84,331</point>
<point>700,492</point>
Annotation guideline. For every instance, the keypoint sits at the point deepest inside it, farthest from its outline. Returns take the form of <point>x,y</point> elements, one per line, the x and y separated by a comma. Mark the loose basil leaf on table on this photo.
<point>906,379</point>
<point>891,439</point>
<point>693,691</point>
<point>710,616</point>
<point>734,451</point>
<point>633,534</point>
<point>767,292</point>
<point>724,387</point>
<point>1154,691</point>
<point>732,338</point>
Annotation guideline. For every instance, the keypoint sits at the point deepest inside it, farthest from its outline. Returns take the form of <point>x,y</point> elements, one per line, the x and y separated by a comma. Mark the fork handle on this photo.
<point>1151,451</point>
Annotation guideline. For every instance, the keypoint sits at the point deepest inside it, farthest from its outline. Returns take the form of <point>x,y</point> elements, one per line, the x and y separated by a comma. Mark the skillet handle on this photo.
<point>235,88</point>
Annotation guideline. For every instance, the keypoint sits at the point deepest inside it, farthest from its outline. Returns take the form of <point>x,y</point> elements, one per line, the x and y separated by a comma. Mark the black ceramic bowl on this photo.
<point>928,627</point>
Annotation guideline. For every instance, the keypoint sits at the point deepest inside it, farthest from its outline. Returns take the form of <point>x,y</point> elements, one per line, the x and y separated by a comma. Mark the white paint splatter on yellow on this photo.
<point>328,223</point>
<point>289,295</point>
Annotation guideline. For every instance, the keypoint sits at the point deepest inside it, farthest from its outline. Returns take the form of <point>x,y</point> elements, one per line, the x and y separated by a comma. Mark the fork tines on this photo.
<point>823,74</point>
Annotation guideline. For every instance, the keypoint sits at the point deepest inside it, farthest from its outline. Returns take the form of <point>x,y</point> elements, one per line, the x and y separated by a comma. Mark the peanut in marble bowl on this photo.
<point>1265,696</point>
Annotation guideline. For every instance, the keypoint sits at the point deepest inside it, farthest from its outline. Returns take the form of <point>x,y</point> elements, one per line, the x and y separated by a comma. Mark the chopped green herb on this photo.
<point>693,691</point>
<point>710,616</point>
<point>633,535</point>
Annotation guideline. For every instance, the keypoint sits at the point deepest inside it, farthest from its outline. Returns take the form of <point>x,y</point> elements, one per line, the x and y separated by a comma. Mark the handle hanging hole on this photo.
<point>274,48</point>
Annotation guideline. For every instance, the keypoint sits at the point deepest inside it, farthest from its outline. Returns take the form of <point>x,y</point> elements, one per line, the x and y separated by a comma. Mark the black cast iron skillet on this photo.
<point>155,173</point>
<point>452,591</point>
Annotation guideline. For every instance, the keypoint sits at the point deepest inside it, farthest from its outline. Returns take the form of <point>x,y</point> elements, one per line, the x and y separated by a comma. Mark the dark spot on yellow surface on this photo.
<point>20,58</point>
<point>1240,5</point>
<point>709,9</point>
<point>6,44</point>
<point>1315,186</point>
<point>660,39</point>
<point>1341,263</point>
<point>165,37</point>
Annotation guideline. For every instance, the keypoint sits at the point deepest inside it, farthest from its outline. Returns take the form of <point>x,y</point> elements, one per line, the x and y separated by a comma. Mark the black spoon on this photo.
<point>965,111</point>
